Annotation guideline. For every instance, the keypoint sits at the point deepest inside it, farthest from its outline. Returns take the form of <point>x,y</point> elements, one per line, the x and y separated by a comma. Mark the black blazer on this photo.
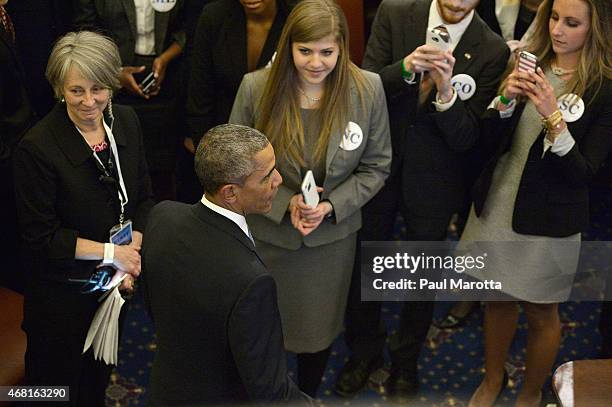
<point>60,196</point>
<point>219,62</point>
<point>16,114</point>
<point>429,147</point>
<point>117,18</point>
<point>219,335</point>
<point>15,118</point>
<point>553,196</point>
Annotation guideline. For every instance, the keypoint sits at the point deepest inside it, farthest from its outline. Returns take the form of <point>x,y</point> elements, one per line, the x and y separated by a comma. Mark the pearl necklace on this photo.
<point>311,100</point>
<point>560,71</point>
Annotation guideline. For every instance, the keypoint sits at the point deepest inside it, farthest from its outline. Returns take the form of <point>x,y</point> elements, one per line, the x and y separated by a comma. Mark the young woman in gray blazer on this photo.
<point>321,113</point>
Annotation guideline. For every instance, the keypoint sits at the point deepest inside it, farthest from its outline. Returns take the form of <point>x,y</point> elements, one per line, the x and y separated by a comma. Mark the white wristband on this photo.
<point>109,253</point>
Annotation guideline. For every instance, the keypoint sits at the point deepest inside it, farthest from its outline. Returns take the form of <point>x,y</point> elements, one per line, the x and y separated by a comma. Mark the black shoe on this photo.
<point>402,386</point>
<point>354,375</point>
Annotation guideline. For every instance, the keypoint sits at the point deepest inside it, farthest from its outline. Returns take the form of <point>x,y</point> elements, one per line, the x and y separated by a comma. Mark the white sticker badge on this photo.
<point>163,6</point>
<point>352,138</point>
<point>464,85</point>
<point>571,107</point>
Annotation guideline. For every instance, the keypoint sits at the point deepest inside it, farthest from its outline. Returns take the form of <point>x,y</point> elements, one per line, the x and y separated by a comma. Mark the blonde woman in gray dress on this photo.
<point>546,134</point>
<point>321,113</point>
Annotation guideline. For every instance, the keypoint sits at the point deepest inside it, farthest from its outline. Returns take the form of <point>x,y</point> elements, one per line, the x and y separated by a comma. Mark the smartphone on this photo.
<point>438,38</point>
<point>309,190</point>
<point>147,83</point>
<point>527,62</point>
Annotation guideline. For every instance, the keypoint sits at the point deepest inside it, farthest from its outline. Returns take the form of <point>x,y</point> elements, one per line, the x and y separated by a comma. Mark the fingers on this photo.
<point>154,91</point>
<point>189,145</point>
<point>133,69</point>
<point>430,52</point>
<point>128,81</point>
<point>127,259</point>
<point>443,68</point>
<point>295,217</point>
<point>305,228</point>
<point>540,79</point>
<point>421,58</point>
<point>127,284</point>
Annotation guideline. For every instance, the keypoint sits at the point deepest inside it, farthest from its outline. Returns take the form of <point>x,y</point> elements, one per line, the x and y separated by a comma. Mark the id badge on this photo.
<point>121,234</point>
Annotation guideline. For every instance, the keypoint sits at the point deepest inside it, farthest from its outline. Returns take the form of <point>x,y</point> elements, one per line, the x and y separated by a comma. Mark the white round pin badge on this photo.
<point>352,137</point>
<point>571,107</point>
<point>163,6</point>
<point>464,85</point>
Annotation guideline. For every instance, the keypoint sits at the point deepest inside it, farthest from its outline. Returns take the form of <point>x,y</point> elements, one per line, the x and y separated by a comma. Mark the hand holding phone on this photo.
<point>309,190</point>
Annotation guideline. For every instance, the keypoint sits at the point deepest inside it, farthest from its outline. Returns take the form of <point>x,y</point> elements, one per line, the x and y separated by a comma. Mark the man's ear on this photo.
<point>228,193</point>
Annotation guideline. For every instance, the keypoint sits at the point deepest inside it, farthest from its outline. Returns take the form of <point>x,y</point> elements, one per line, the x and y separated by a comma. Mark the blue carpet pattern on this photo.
<point>450,366</point>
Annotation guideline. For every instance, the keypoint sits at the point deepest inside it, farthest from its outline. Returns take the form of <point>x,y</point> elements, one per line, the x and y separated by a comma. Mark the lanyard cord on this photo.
<point>121,191</point>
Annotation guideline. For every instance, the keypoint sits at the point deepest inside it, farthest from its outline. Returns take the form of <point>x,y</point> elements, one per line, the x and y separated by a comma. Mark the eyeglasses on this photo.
<point>98,280</point>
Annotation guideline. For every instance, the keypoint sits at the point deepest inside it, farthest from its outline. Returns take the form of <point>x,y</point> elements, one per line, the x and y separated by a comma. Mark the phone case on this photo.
<point>527,62</point>
<point>147,83</point>
<point>309,190</point>
<point>438,39</point>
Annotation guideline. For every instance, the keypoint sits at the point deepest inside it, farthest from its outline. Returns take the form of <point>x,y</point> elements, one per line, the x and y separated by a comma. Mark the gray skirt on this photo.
<point>312,285</point>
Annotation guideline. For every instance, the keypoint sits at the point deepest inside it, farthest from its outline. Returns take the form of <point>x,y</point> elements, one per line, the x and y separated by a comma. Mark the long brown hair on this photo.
<point>595,64</point>
<point>279,108</point>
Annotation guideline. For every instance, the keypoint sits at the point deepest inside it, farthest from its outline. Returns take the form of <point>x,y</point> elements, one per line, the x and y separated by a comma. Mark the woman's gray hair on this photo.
<point>226,155</point>
<point>94,55</point>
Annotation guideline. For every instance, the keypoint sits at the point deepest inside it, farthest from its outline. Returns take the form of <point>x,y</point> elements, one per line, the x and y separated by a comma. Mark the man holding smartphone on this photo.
<point>435,99</point>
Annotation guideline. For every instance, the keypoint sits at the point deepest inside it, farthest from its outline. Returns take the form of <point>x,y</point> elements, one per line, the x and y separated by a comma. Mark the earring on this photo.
<point>63,100</point>
<point>110,108</point>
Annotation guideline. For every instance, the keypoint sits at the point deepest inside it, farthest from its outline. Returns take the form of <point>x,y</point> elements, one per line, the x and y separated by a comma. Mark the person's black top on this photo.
<point>60,195</point>
<point>219,62</point>
<point>553,195</point>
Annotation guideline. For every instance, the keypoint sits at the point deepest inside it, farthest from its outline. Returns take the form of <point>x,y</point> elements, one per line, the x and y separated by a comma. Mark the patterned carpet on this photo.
<point>450,366</point>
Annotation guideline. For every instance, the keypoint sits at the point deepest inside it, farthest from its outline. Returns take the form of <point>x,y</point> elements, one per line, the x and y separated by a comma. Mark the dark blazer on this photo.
<point>60,196</point>
<point>219,62</point>
<point>16,117</point>
<point>117,18</point>
<point>219,334</point>
<point>553,195</point>
<point>16,114</point>
<point>486,10</point>
<point>429,147</point>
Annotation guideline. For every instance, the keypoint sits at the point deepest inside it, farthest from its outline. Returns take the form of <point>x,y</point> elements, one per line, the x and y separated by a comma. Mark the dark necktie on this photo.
<point>7,24</point>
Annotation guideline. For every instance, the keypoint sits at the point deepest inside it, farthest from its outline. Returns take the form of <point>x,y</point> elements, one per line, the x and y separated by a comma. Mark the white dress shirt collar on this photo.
<point>454,30</point>
<point>233,216</point>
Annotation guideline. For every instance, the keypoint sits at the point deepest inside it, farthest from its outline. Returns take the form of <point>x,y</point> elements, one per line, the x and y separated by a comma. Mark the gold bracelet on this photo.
<point>553,122</point>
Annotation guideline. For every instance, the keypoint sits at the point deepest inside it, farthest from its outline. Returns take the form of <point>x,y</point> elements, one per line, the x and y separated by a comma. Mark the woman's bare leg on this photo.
<point>543,340</point>
<point>500,321</point>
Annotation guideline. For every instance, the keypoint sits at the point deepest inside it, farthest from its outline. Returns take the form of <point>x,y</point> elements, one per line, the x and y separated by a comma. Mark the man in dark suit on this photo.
<point>219,335</point>
<point>435,99</point>
<point>16,117</point>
